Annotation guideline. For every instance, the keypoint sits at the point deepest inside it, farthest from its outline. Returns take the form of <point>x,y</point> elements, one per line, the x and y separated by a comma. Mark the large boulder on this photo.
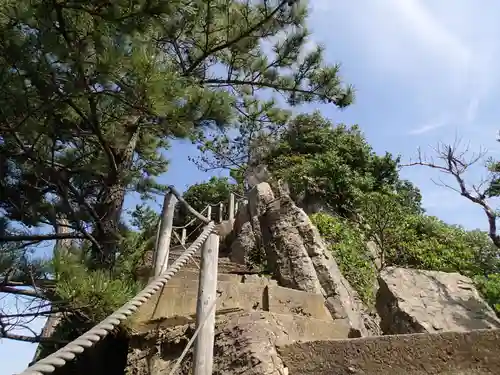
<point>296,254</point>
<point>247,237</point>
<point>416,301</point>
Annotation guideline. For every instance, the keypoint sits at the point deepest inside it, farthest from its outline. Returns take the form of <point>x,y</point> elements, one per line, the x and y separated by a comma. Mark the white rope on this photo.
<point>101,330</point>
<point>192,220</point>
<point>184,247</point>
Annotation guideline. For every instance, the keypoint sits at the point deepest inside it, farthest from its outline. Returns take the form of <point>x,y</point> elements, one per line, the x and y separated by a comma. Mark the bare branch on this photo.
<point>455,161</point>
<point>40,237</point>
<point>32,339</point>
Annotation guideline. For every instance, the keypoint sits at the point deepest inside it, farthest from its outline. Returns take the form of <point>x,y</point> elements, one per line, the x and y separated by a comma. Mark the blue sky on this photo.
<point>424,72</point>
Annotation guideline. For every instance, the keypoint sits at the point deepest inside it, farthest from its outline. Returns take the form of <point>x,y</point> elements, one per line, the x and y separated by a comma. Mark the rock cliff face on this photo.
<point>304,319</point>
<point>296,254</point>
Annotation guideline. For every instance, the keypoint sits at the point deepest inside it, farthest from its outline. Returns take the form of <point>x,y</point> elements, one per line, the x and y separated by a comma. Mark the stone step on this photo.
<point>176,302</point>
<point>188,275</point>
<point>225,264</point>
<point>447,353</point>
<point>244,342</point>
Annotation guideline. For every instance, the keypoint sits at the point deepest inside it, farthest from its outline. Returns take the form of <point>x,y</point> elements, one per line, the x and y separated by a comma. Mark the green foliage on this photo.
<point>93,94</point>
<point>331,164</point>
<point>213,192</point>
<point>407,239</point>
<point>94,294</point>
<point>349,250</point>
<point>489,287</point>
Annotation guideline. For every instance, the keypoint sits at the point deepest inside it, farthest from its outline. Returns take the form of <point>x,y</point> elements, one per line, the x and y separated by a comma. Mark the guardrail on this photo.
<point>203,337</point>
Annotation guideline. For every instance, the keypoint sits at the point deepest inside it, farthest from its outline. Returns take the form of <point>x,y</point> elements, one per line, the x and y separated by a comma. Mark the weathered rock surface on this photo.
<point>176,303</point>
<point>297,254</point>
<point>247,234</point>
<point>413,301</point>
<point>245,344</point>
<point>448,353</point>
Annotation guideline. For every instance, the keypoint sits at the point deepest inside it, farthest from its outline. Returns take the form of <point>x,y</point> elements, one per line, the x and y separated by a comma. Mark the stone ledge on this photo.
<point>447,353</point>
<point>176,302</point>
<point>291,301</point>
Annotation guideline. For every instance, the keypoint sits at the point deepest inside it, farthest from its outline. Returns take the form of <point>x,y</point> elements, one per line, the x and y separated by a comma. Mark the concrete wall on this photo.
<point>108,357</point>
<point>450,353</point>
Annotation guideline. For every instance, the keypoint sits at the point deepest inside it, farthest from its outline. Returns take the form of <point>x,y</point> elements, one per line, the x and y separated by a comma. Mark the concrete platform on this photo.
<point>449,353</point>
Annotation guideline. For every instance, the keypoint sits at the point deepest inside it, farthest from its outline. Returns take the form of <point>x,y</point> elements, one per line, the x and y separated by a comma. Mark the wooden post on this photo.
<point>221,212</point>
<point>236,205</point>
<point>231,207</point>
<point>183,236</point>
<point>165,236</point>
<point>209,213</point>
<point>207,294</point>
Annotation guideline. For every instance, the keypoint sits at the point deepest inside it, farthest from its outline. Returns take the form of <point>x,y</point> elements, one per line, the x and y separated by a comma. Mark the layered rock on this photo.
<point>296,254</point>
<point>245,343</point>
<point>415,301</point>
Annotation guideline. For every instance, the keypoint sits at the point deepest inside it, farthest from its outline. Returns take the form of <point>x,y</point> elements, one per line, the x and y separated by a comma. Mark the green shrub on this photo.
<point>350,252</point>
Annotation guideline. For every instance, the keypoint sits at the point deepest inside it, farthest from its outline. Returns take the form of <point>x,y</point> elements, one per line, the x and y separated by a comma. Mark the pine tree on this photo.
<point>92,92</point>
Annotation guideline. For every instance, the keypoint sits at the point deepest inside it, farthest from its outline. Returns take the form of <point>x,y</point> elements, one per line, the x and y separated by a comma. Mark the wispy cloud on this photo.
<point>428,127</point>
<point>442,51</point>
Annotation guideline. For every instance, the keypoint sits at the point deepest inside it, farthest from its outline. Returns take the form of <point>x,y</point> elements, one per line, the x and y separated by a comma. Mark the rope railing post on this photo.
<point>207,294</point>
<point>183,236</point>
<point>58,359</point>
<point>188,206</point>
<point>231,207</point>
<point>209,212</point>
<point>165,233</point>
<point>221,212</point>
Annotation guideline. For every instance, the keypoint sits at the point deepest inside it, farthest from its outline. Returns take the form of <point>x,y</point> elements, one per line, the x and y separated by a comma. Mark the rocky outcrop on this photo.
<point>245,343</point>
<point>247,238</point>
<point>304,318</point>
<point>296,254</point>
<point>415,301</point>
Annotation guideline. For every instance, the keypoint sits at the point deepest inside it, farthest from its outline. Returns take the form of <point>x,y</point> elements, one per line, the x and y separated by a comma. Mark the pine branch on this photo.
<point>40,237</point>
<point>238,82</point>
<point>21,292</point>
<point>229,43</point>
<point>31,339</point>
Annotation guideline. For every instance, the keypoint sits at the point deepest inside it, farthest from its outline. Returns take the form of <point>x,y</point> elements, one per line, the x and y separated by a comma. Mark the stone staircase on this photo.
<point>262,327</point>
<point>432,322</point>
<point>247,302</point>
<point>239,292</point>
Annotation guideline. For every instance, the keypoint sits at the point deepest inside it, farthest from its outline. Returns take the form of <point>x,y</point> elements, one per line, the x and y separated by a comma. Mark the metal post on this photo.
<point>165,235</point>
<point>207,294</point>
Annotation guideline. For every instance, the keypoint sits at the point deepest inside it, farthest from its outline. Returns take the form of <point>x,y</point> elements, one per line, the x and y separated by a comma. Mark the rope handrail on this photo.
<point>59,358</point>
<point>239,196</point>
<point>192,221</point>
<point>187,205</point>
<point>49,364</point>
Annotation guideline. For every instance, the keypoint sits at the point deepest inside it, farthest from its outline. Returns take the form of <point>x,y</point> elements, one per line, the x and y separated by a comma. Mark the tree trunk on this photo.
<point>110,208</point>
<point>61,248</point>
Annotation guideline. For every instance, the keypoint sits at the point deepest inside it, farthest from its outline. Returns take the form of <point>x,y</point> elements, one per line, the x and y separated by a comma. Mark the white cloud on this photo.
<point>443,51</point>
<point>472,108</point>
<point>427,128</point>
